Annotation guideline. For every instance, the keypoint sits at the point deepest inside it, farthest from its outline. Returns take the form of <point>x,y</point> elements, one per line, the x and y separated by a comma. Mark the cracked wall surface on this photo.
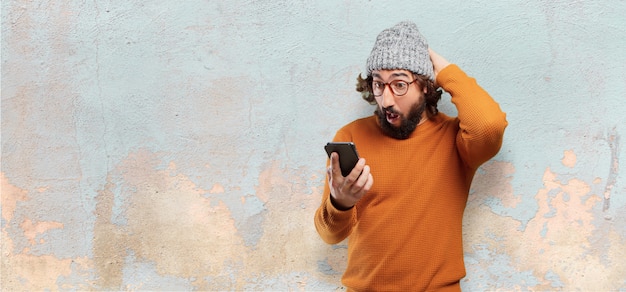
<point>179,146</point>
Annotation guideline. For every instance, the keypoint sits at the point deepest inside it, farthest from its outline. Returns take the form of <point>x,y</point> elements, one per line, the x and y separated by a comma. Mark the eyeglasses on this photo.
<point>398,87</point>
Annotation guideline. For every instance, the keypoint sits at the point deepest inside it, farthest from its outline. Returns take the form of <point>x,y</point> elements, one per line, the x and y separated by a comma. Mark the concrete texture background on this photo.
<point>177,145</point>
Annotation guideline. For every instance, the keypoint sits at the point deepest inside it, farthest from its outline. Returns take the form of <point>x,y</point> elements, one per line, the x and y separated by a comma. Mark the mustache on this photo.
<point>389,110</point>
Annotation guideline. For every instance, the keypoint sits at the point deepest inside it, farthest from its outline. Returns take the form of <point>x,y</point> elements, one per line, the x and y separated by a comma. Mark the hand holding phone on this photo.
<point>348,156</point>
<point>345,193</point>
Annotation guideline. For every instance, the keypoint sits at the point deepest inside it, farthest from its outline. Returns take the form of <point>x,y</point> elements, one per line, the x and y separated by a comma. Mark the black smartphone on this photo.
<point>348,157</point>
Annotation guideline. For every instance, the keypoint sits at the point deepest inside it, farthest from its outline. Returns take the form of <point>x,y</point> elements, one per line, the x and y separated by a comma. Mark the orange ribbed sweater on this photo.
<point>405,233</point>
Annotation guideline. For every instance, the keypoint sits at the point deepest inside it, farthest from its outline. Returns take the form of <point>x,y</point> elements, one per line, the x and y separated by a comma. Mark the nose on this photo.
<point>387,98</point>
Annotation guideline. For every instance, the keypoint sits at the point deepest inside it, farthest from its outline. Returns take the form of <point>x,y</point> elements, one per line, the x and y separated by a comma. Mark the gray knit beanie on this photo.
<point>401,47</point>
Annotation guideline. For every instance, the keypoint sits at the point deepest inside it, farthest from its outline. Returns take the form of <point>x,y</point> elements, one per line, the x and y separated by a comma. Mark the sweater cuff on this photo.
<point>447,73</point>
<point>338,215</point>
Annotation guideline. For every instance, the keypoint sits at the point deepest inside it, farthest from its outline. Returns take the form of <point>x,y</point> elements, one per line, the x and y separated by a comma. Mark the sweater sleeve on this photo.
<point>333,225</point>
<point>481,120</point>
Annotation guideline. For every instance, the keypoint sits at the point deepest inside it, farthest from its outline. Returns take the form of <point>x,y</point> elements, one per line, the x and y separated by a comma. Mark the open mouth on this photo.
<point>392,118</point>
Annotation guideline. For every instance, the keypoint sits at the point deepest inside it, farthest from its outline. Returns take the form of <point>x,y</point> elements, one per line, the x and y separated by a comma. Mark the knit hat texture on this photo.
<point>401,47</point>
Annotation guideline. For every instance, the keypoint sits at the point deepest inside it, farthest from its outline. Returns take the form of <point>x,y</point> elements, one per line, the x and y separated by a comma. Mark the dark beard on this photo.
<point>407,125</point>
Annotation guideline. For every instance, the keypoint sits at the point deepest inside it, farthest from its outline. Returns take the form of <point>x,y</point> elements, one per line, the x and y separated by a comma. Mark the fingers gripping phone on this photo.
<point>348,157</point>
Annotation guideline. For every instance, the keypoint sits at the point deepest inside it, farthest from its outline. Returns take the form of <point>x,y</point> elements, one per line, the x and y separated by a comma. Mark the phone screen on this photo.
<point>348,156</point>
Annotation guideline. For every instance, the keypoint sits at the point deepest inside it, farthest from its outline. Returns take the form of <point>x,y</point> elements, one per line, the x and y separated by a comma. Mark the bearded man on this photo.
<point>404,229</point>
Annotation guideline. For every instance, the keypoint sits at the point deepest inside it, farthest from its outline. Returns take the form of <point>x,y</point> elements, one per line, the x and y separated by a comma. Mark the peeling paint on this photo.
<point>613,140</point>
<point>569,158</point>
<point>564,237</point>
<point>31,230</point>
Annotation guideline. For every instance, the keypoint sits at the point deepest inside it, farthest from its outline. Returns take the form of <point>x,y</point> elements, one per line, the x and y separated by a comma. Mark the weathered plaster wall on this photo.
<point>177,145</point>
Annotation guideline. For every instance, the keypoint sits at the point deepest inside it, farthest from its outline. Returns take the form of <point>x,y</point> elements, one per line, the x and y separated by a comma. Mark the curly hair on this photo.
<point>432,95</point>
